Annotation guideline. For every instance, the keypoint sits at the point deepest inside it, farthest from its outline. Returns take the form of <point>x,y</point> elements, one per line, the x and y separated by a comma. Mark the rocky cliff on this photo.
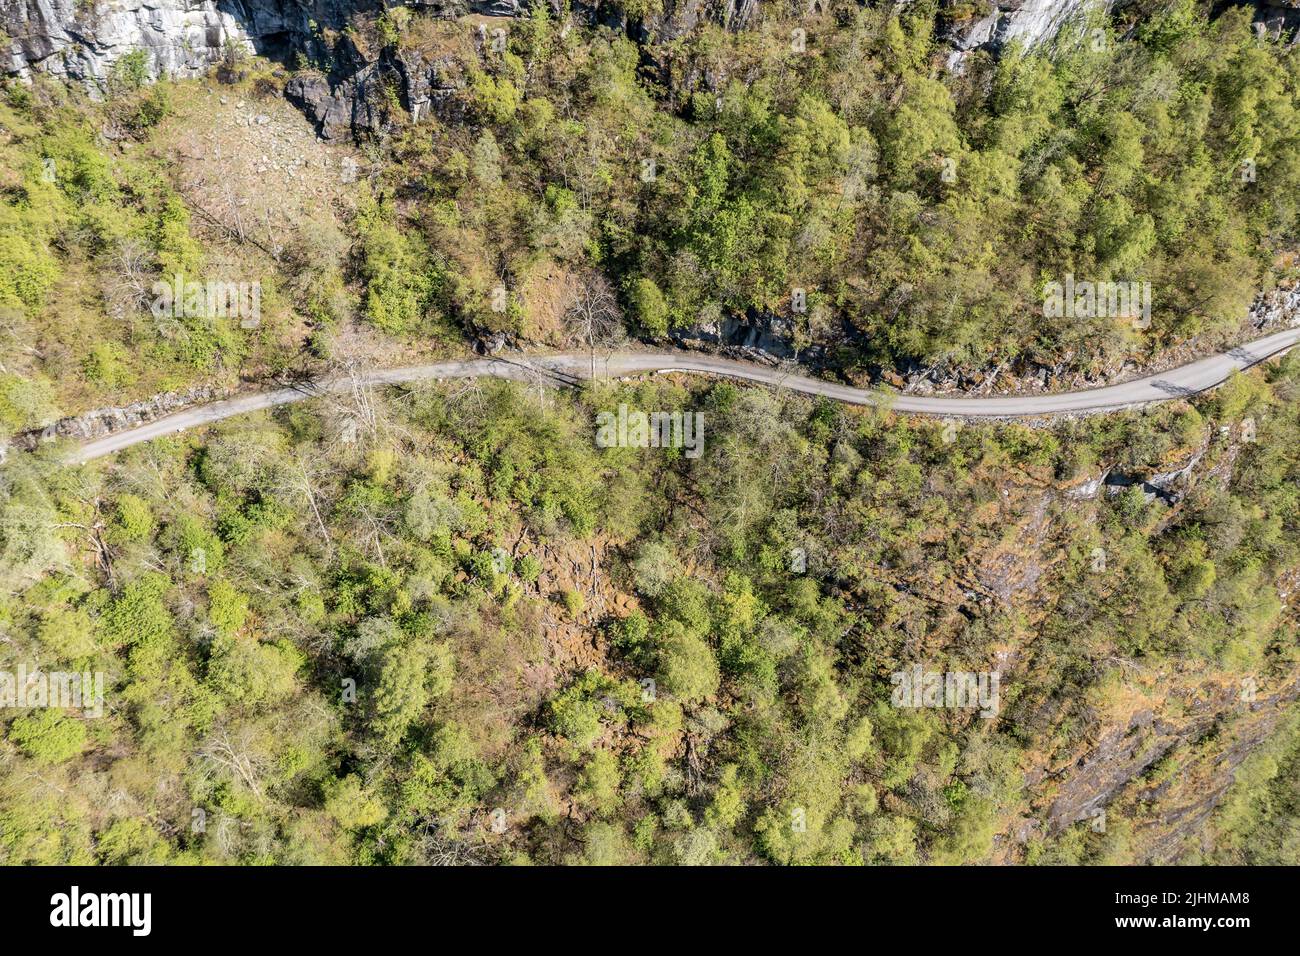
<point>84,42</point>
<point>992,24</point>
<point>81,41</point>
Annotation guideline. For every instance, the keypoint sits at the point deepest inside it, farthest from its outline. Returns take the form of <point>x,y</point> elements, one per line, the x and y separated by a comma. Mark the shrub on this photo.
<point>573,603</point>
<point>47,736</point>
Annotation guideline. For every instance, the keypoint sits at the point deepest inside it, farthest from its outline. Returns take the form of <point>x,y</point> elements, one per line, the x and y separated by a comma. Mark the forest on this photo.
<point>471,636</point>
<point>921,213</point>
<point>439,624</point>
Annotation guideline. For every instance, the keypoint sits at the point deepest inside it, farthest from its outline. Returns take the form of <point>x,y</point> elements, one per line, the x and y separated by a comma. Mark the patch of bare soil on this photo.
<point>576,642</point>
<point>266,194</point>
<point>547,296</point>
<point>252,168</point>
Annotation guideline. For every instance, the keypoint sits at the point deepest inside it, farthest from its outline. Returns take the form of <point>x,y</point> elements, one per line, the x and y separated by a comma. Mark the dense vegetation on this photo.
<point>922,211</point>
<point>439,624</point>
<point>471,635</point>
<point>1259,823</point>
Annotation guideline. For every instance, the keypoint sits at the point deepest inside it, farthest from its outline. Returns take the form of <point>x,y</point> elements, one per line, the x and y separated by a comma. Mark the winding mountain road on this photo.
<point>569,368</point>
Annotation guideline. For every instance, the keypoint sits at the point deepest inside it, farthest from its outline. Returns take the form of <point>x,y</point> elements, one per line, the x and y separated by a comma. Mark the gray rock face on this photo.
<point>80,41</point>
<point>1277,19</point>
<point>1088,489</point>
<point>994,24</point>
<point>998,23</point>
<point>351,101</point>
<point>763,338</point>
<point>106,421</point>
<point>1116,759</point>
<point>68,39</point>
<point>680,17</point>
<point>1033,21</point>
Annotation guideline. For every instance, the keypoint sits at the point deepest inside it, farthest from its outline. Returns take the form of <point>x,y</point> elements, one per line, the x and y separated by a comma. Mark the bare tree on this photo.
<point>130,286</point>
<point>304,481</point>
<point>15,335</point>
<point>593,314</point>
<point>237,754</point>
<point>353,397</point>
